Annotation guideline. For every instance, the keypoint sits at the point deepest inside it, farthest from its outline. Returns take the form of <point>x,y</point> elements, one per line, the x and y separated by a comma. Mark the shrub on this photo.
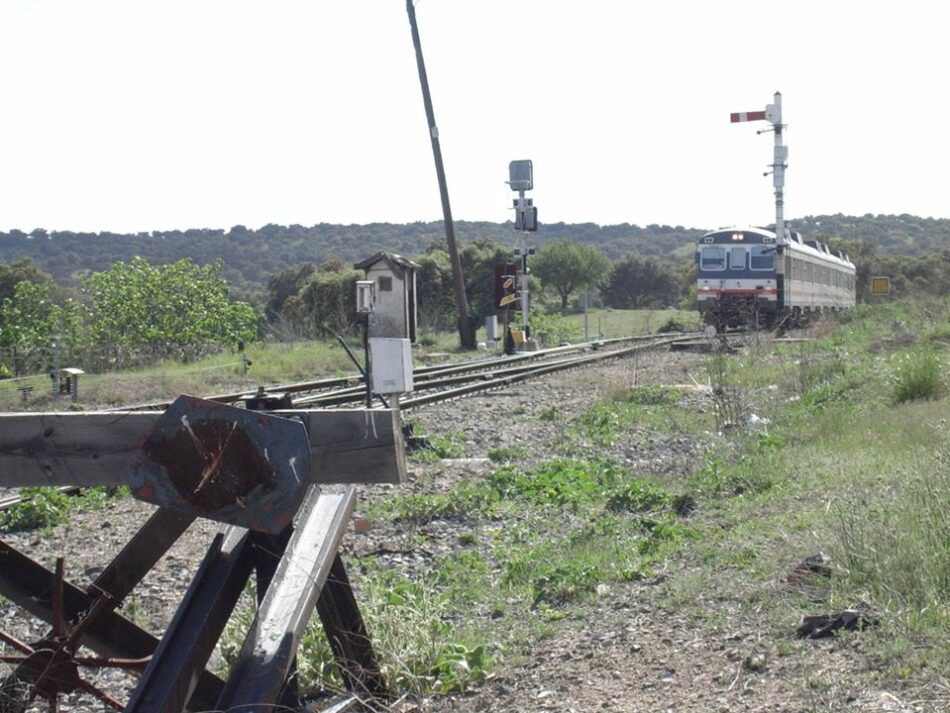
<point>918,376</point>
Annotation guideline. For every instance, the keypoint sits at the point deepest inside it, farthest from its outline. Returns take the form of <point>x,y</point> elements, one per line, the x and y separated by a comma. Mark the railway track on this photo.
<point>436,383</point>
<point>490,372</point>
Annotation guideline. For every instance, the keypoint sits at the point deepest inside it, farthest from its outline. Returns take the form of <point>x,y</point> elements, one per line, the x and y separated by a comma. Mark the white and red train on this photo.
<point>743,275</point>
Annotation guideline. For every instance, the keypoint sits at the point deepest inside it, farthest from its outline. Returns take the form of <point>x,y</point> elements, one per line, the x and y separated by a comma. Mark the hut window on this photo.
<point>385,284</point>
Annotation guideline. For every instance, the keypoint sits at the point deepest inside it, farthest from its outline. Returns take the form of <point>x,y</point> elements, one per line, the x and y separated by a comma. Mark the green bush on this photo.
<point>918,375</point>
<point>552,329</point>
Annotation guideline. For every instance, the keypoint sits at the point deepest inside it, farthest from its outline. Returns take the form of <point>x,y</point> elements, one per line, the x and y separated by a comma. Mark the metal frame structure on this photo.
<point>200,459</point>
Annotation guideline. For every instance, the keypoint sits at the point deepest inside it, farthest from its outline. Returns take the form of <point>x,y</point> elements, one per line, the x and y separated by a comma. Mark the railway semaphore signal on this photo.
<point>773,114</point>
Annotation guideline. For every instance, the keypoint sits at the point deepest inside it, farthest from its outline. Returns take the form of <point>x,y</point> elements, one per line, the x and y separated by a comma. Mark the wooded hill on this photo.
<point>251,256</point>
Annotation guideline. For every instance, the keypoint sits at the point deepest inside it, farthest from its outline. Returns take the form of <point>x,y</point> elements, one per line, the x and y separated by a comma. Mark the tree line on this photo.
<point>138,311</point>
<point>250,257</point>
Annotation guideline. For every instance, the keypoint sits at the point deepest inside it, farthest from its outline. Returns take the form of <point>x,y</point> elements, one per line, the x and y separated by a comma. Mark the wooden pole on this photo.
<point>466,333</point>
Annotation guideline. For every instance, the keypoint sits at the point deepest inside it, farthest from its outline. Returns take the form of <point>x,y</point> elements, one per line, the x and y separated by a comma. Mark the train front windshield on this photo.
<point>719,259</point>
<point>712,258</point>
<point>763,258</point>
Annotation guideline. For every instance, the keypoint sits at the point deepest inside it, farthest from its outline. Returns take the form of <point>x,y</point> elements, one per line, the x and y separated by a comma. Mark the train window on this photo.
<point>712,258</point>
<point>737,259</point>
<point>762,257</point>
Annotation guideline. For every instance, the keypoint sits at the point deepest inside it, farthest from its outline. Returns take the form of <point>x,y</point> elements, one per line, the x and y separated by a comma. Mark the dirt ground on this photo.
<point>664,643</point>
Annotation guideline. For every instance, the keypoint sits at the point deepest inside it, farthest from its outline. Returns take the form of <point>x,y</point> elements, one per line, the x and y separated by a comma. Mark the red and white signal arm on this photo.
<point>747,116</point>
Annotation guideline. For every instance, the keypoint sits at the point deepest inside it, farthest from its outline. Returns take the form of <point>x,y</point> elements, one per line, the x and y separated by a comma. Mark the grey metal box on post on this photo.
<point>392,365</point>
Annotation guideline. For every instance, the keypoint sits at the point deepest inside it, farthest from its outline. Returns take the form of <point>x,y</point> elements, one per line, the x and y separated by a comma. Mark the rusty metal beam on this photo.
<point>260,671</point>
<point>172,674</point>
<point>29,585</point>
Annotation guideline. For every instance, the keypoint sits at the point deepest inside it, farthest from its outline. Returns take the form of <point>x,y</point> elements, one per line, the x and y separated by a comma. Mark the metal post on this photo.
<point>466,333</point>
<point>586,331</point>
<point>56,367</point>
<point>366,360</point>
<point>525,303</point>
<point>778,170</point>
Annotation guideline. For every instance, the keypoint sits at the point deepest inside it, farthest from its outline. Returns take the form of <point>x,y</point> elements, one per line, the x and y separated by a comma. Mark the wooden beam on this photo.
<point>354,446</point>
<point>260,670</point>
<point>97,448</point>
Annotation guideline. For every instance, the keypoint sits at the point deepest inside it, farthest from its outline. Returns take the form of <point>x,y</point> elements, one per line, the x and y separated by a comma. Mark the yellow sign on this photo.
<point>880,285</point>
<point>507,300</point>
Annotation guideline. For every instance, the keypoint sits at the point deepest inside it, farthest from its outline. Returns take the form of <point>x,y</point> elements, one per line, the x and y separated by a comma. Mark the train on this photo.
<point>744,276</point>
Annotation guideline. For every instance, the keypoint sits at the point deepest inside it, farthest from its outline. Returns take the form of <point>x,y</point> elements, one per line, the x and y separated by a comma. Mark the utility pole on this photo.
<point>466,333</point>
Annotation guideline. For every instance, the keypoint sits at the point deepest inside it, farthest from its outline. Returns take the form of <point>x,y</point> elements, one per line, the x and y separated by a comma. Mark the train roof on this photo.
<point>794,242</point>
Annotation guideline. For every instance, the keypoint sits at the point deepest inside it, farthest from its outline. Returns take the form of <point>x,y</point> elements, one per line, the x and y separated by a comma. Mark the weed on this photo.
<point>465,500</point>
<point>40,509</point>
<point>551,329</point>
<point>820,397</point>
<point>450,445</point>
<point>507,454</point>
<point>561,483</point>
<point>918,375</point>
<point>549,414</point>
<point>639,497</point>
<point>748,475</point>
<point>44,508</point>
<point>655,395</point>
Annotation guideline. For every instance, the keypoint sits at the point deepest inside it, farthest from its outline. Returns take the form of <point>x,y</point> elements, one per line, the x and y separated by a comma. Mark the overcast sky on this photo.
<point>136,115</point>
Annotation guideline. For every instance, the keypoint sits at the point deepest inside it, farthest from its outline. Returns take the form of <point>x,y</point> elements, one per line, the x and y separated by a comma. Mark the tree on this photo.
<point>435,303</point>
<point>565,266</point>
<point>284,285</point>
<point>33,326</point>
<point>180,310</point>
<point>638,282</point>
<point>328,301</point>
<point>18,271</point>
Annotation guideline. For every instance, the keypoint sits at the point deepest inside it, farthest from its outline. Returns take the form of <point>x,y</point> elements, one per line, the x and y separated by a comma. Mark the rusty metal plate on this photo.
<point>228,464</point>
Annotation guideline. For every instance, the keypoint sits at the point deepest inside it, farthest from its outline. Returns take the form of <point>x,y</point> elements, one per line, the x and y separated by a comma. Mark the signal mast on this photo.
<point>773,114</point>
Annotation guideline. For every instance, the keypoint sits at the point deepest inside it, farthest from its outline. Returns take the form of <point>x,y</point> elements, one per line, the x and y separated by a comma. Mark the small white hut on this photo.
<point>394,314</point>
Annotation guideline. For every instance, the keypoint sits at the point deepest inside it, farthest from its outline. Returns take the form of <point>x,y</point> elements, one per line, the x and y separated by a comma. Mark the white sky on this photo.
<point>130,115</point>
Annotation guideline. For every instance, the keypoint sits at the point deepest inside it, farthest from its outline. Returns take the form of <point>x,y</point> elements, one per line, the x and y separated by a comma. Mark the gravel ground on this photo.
<point>629,651</point>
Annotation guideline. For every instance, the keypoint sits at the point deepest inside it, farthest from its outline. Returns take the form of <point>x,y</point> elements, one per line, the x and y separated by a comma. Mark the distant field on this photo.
<point>610,323</point>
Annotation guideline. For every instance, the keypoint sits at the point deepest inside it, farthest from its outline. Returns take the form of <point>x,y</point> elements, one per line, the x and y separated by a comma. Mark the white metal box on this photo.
<point>391,362</point>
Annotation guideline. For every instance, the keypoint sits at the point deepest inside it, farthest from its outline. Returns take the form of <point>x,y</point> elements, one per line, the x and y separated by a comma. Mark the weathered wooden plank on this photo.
<point>354,446</point>
<point>97,448</point>
<point>69,448</point>
<point>261,667</point>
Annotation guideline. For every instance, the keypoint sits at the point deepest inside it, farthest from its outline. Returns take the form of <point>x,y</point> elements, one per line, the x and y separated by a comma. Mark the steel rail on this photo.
<point>437,380</point>
<point>524,375</point>
<point>356,381</point>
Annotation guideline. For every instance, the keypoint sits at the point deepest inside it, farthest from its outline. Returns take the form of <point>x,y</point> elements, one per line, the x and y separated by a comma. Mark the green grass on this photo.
<point>857,467</point>
<point>610,323</point>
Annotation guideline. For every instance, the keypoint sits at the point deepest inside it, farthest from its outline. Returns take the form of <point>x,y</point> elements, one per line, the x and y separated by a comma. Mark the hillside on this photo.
<point>251,256</point>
